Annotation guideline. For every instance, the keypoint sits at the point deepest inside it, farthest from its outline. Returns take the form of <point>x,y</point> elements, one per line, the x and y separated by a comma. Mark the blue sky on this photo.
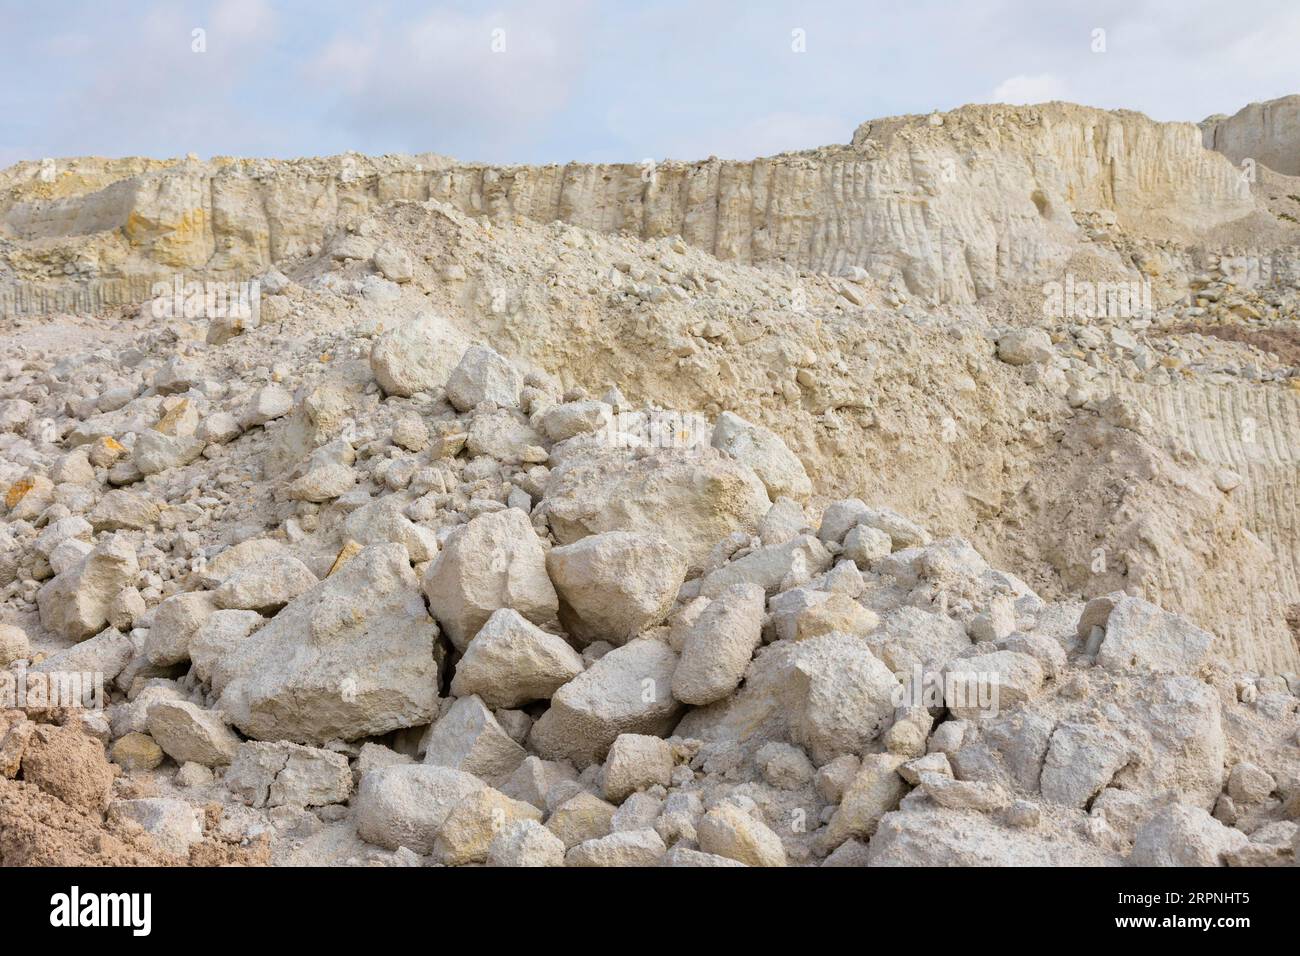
<point>581,80</point>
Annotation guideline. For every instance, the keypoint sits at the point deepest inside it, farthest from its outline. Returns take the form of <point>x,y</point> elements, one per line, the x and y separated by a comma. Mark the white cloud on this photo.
<point>69,44</point>
<point>1022,89</point>
<point>149,91</point>
<point>581,80</point>
<point>451,81</point>
<point>242,19</point>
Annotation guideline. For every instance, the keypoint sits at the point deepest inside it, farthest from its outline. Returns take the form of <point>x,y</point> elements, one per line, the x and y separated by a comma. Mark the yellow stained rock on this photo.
<point>349,550</point>
<point>18,490</point>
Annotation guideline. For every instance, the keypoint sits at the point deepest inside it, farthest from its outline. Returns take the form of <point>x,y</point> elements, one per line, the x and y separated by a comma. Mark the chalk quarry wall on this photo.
<point>1268,133</point>
<point>950,206</point>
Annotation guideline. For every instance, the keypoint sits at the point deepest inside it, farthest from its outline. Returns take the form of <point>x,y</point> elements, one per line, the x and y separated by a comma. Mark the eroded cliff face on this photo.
<point>850,293</point>
<point>794,441</point>
<point>1268,133</point>
<point>948,207</point>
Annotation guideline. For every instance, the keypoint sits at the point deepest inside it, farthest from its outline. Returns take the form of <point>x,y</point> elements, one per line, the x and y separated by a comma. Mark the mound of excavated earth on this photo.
<point>784,513</point>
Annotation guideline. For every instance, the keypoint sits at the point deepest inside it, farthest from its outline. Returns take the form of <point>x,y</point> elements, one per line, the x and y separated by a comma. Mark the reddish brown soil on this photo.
<point>52,814</point>
<point>1282,340</point>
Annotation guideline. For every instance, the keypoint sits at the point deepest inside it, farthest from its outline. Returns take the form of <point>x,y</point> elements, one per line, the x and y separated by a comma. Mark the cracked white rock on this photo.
<point>154,452</point>
<point>626,848</point>
<point>964,794</point>
<point>466,836</point>
<point>382,521</point>
<point>784,765</point>
<point>716,649</point>
<point>781,472</point>
<point>1180,835</point>
<point>985,684</point>
<point>692,499</point>
<point>1081,760</point>
<point>14,645</point>
<point>265,586</point>
<point>771,568</point>
<point>492,562</point>
<point>582,817</point>
<point>1141,635</point>
<point>843,516</point>
<point>266,774</point>
<point>626,691</point>
<point>501,434</point>
<point>525,843</point>
<point>267,404</point>
<point>569,419</point>
<point>124,510</point>
<point>512,662</point>
<point>394,263</point>
<point>323,483</point>
<point>215,641</point>
<point>873,791</point>
<point>635,762</point>
<point>175,622</point>
<point>865,545</point>
<point>482,375</point>
<point>237,556</point>
<point>911,638</point>
<point>940,837</point>
<point>684,856</point>
<point>187,732</point>
<point>417,356</point>
<point>407,804</point>
<point>1249,783</point>
<point>847,696</point>
<point>1025,347</point>
<point>613,586</point>
<point>108,654</point>
<point>354,656</point>
<point>469,738</point>
<point>536,779</point>
<point>75,604</point>
<point>729,831</point>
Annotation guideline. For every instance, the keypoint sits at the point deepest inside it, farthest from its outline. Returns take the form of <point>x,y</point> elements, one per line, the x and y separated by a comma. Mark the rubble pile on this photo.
<point>486,539</point>
<point>510,624</point>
